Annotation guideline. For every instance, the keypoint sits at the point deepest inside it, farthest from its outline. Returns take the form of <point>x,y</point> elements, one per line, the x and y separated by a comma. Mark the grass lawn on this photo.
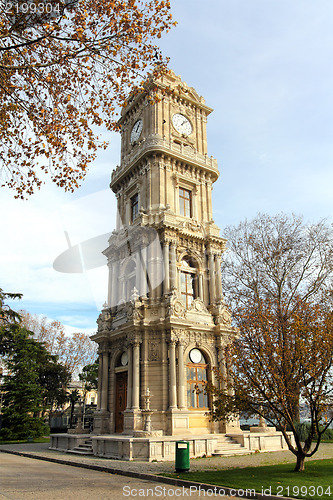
<point>316,482</point>
<point>36,440</point>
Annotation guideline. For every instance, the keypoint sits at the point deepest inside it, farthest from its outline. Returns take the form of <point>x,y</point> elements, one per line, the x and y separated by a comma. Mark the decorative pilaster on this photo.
<point>211,278</point>
<point>114,286</point>
<point>166,267</point>
<point>172,375</point>
<point>181,376</point>
<point>173,270</point>
<point>201,294</point>
<point>129,377</point>
<point>99,389</point>
<point>218,278</point>
<point>136,375</point>
<point>105,381</point>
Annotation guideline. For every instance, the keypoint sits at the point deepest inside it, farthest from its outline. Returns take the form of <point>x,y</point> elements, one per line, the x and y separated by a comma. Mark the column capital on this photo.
<point>133,340</point>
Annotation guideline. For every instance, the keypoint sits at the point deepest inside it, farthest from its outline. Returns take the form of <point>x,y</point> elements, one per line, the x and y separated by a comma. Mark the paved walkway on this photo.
<point>211,463</point>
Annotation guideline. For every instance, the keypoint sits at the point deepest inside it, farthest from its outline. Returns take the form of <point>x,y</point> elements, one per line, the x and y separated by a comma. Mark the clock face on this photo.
<point>136,131</point>
<point>124,359</point>
<point>195,356</point>
<point>181,124</point>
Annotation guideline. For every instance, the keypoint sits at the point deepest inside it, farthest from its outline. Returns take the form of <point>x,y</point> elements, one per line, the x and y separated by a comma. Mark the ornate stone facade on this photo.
<point>165,326</point>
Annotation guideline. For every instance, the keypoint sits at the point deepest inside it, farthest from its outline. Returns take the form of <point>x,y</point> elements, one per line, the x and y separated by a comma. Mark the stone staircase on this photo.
<point>226,446</point>
<point>83,449</point>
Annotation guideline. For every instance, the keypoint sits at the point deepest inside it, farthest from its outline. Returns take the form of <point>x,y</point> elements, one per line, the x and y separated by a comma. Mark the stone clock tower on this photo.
<point>165,326</point>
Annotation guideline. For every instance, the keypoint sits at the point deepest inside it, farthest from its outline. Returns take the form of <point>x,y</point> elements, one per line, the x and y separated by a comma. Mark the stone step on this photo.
<point>82,449</point>
<point>226,445</point>
<point>229,446</point>
<point>80,452</point>
<point>231,452</point>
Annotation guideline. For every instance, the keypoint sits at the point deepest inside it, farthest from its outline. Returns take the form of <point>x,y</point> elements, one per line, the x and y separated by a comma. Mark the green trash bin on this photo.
<point>182,456</point>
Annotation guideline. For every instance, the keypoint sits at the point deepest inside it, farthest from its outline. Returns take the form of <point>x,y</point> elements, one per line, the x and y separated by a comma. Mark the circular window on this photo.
<point>124,358</point>
<point>195,356</point>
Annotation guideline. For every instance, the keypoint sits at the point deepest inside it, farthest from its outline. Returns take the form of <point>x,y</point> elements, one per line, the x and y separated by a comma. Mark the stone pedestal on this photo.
<point>102,422</point>
<point>132,421</point>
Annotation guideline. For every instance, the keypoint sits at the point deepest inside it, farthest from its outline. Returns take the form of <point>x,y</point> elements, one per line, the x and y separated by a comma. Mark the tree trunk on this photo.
<point>299,463</point>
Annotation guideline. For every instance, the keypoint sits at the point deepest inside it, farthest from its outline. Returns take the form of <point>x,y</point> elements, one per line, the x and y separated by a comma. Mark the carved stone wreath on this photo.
<point>179,308</point>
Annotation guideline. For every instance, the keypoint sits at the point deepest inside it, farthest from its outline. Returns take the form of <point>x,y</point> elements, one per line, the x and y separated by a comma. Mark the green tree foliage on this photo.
<point>278,277</point>
<point>7,315</point>
<point>89,377</point>
<point>33,382</point>
<point>53,377</point>
<point>22,394</point>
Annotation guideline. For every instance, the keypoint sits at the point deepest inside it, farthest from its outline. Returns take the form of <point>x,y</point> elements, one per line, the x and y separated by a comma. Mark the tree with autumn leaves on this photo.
<point>66,67</point>
<point>277,278</point>
<point>73,351</point>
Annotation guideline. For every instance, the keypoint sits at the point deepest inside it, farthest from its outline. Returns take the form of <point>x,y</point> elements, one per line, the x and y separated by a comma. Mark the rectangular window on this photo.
<point>185,202</point>
<point>186,288</point>
<point>134,207</point>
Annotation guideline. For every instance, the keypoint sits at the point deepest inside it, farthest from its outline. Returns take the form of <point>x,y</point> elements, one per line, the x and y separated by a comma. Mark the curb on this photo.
<point>218,490</point>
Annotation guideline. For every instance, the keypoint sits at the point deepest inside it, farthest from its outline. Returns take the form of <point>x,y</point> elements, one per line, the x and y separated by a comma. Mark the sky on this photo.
<point>265,67</point>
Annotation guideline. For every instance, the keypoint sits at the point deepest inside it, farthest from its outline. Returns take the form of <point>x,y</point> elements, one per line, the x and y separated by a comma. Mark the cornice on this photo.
<point>159,145</point>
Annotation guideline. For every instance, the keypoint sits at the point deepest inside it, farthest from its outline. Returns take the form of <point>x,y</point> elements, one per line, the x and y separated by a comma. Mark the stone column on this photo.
<point>166,267</point>
<point>111,272</point>
<point>209,199</point>
<point>173,270</point>
<point>118,218</point>
<point>114,285</point>
<point>201,295</point>
<point>150,256</point>
<point>136,376</point>
<point>145,255</point>
<point>181,376</point>
<point>129,377</point>
<point>218,278</point>
<point>211,278</point>
<point>99,390</point>
<point>172,375</point>
<point>143,271</point>
<point>153,268</point>
<point>105,381</point>
<point>138,270</point>
<point>159,269</point>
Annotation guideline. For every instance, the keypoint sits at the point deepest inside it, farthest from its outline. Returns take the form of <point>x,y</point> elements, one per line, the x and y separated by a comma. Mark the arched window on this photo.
<point>197,376</point>
<point>188,281</point>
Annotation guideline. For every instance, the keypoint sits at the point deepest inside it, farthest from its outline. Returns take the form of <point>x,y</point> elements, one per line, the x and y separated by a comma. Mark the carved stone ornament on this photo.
<point>132,312</point>
<point>194,225</point>
<point>176,307</point>
<point>129,310</point>
<point>198,306</point>
<point>104,320</point>
<point>223,316</point>
<point>154,348</point>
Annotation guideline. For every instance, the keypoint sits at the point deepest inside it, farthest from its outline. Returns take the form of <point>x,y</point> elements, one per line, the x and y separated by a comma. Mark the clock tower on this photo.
<point>165,326</point>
